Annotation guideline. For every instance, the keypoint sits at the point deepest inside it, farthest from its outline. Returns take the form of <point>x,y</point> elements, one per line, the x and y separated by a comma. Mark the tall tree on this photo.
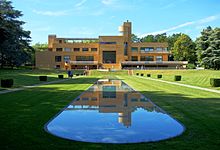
<point>184,49</point>
<point>134,38</point>
<point>208,48</point>
<point>172,39</point>
<point>14,47</point>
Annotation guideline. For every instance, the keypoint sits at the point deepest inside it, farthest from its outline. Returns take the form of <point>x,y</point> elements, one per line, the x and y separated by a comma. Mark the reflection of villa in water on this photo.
<point>114,97</point>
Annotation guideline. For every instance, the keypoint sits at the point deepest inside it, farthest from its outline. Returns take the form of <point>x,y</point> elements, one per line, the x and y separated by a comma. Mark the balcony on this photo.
<point>83,62</point>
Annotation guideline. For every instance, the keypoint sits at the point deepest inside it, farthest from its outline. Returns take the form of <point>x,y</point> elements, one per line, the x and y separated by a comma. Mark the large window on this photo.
<point>134,58</point>
<point>66,58</point>
<point>59,49</point>
<point>143,58</point>
<point>149,58</point>
<point>58,58</point>
<point>134,49</point>
<point>147,49</point>
<point>76,49</point>
<point>84,58</point>
<point>125,48</point>
<point>109,57</point>
<point>159,58</point>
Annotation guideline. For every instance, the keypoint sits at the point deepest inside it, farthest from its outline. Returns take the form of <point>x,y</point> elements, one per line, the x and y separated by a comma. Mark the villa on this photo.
<point>105,52</point>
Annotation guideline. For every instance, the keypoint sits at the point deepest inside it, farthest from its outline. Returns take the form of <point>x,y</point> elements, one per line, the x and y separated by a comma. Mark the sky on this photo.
<point>92,18</point>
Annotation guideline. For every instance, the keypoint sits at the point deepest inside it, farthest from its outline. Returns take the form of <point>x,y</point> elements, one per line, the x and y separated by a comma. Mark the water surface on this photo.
<point>112,112</point>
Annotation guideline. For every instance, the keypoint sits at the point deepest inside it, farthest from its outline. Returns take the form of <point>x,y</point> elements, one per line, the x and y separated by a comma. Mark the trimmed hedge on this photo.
<point>43,78</point>
<point>159,76</point>
<point>177,78</point>
<point>142,74</point>
<point>77,74</point>
<point>215,82</point>
<point>7,83</point>
<point>137,74</point>
<point>60,76</point>
<point>148,75</point>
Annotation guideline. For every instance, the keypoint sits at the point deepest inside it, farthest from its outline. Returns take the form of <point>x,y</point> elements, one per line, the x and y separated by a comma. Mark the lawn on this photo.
<point>24,77</point>
<point>24,113</point>
<point>192,77</point>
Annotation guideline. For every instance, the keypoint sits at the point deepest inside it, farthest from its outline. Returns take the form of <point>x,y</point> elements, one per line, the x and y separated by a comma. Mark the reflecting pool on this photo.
<point>112,112</point>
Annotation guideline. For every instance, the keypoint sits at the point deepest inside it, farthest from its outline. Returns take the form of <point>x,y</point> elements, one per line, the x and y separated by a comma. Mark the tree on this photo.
<point>208,48</point>
<point>172,39</point>
<point>184,49</point>
<point>14,47</point>
<point>134,38</point>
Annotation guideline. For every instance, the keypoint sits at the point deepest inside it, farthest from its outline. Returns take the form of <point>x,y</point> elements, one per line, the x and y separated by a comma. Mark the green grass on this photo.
<point>24,113</point>
<point>24,77</point>
<point>192,77</point>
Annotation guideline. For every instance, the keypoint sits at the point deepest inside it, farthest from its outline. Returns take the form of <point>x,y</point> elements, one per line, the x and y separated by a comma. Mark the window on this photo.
<point>109,57</point>
<point>66,58</point>
<point>125,48</point>
<point>149,58</point>
<point>57,66</point>
<point>76,49</point>
<point>159,49</point>
<point>67,49</point>
<point>147,49</point>
<point>134,49</point>
<point>60,41</point>
<point>165,48</point>
<point>143,58</point>
<point>85,49</point>
<point>134,58</point>
<point>159,58</point>
<point>107,42</point>
<point>93,49</point>
<point>59,49</point>
<point>57,58</point>
<point>84,58</point>
<point>109,91</point>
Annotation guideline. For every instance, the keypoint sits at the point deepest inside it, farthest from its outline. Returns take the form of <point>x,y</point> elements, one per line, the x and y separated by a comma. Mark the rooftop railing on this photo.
<point>84,62</point>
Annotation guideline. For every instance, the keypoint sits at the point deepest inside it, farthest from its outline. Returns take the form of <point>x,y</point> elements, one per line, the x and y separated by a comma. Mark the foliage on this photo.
<point>208,48</point>
<point>184,49</point>
<point>14,46</point>
<point>40,47</point>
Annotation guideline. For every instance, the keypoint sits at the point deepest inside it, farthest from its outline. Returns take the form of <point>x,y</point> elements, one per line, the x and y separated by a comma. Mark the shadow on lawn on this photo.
<point>24,113</point>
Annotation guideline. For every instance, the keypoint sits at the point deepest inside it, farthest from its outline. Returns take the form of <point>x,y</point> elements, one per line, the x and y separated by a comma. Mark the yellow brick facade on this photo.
<point>106,52</point>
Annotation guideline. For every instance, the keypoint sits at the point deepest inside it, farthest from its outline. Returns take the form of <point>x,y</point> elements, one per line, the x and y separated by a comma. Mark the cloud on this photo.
<point>80,3</point>
<point>51,13</point>
<point>196,22</point>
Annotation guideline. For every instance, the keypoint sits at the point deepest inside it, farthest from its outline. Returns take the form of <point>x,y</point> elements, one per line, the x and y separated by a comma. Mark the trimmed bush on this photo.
<point>215,82</point>
<point>177,78</point>
<point>148,75</point>
<point>142,74</point>
<point>43,78</point>
<point>159,76</point>
<point>137,74</point>
<point>7,83</point>
<point>60,76</point>
<point>77,74</point>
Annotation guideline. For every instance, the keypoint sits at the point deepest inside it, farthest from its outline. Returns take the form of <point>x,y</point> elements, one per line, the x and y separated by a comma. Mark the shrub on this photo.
<point>142,74</point>
<point>177,78</point>
<point>137,74</point>
<point>43,78</point>
<point>159,76</point>
<point>7,83</point>
<point>148,75</point>
<point>60,76</point>
<point>215,82</point>
<point>77,74</point>
<point>191,66</point>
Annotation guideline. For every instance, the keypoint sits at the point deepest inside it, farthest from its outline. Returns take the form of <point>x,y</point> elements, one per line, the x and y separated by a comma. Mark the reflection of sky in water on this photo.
<point>109,120</point>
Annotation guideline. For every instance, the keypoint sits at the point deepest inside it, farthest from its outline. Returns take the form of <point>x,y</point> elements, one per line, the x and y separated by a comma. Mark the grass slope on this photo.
<point>192,77</point>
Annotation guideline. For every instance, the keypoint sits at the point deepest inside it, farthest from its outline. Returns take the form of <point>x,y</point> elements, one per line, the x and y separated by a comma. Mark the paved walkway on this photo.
<point>30,86</point>
<point>185,85</point>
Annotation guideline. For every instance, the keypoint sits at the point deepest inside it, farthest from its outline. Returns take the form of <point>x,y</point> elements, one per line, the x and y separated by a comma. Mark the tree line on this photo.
<point>15,49</point>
